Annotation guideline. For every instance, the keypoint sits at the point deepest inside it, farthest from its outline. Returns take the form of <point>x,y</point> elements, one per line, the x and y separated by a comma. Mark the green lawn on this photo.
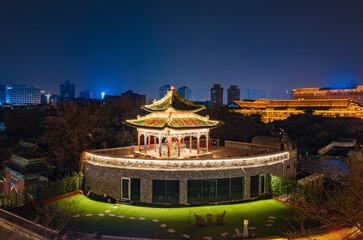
<point>181,219</point>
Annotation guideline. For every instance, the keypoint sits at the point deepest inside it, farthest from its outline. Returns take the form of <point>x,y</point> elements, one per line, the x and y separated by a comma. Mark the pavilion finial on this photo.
<point>172,87</point>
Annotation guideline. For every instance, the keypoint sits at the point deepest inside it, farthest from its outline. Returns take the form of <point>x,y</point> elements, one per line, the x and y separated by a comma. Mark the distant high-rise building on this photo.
<point>233,93</point>
<point>2,94</point>
<point>98,94</point>
<point>22,95</point>
<point>274,95</point>
<point>44,97</point>
<point>286,95</point>
<point>163,91</point>
<point>53,99</point>
<point>92,94</point>
<point>216,93</point>
<point>67,91</point>
<point>135,97</point>
<point>254,94</point>
<point>85,94</point>
<point>185,92</point>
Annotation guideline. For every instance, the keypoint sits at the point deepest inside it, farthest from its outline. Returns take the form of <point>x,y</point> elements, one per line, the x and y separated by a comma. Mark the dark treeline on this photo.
<point>66,130</point>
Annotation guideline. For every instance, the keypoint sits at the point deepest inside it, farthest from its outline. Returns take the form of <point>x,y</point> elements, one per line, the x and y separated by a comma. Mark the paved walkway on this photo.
<point>10,231</point>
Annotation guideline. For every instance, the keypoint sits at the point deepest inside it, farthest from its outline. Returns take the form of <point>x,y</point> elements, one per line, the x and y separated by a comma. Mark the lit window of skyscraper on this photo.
<point>67,91</point>
<point>163,91</point>
<point>185,92</point>
<point>233,93</point>
<point>217,95</point>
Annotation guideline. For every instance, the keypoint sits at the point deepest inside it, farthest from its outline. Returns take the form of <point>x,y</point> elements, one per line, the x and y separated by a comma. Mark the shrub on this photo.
<point>52,189</point>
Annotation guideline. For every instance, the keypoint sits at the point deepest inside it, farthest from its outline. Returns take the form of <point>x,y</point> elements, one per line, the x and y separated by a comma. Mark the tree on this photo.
<point>49,221</point>
<point>70,131</point>
<point>341,205</point>
<point>52,216</point>
<point>5,154</point>
<point>74,128</point>
<point>24,122</point>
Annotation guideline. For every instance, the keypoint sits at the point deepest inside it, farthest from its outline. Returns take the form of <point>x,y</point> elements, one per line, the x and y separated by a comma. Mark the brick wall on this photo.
<point>106,178</point>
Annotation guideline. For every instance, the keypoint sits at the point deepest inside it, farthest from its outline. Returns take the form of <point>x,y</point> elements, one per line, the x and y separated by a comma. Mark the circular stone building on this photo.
<point>175,161</point>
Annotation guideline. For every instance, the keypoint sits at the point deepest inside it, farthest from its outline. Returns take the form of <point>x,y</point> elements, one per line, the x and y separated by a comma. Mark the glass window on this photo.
<point>209,190</point>
<point>165,190</point>
<point>172,191</point>
<point>254,186</point>
<point>125,188</point>
<point>223,189</point>
<point>159,190</point>
<point>135,189</point>
<point>237,188</point>
<point>262,184</point>
<point>194,190</point>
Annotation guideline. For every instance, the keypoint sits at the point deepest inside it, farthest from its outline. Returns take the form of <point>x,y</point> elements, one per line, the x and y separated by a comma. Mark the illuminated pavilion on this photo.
<point>173,164</point>
<point>171,121</point>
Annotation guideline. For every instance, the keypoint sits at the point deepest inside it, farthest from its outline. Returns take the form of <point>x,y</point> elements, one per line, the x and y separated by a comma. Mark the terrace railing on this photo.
<point>187,164</point>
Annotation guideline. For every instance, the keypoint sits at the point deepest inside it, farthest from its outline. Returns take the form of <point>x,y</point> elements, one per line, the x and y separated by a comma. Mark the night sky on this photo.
<point>114,46</point>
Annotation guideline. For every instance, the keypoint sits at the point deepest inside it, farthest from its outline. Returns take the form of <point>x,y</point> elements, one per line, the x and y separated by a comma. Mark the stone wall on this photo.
<point>106,178</point>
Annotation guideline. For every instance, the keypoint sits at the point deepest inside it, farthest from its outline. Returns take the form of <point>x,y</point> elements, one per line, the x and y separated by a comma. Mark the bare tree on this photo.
<point>24,123</point>
<point>340,207</point>
<point>74,128</point>
<point>52,216</point>
<point>70,131</point>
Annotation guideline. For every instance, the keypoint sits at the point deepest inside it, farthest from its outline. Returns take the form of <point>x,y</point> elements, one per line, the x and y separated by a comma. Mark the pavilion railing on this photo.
<point>188,164</point>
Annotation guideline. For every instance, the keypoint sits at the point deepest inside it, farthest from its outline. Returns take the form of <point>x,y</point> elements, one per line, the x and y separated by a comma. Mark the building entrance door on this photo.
<point>254,186</point>
<point>13,195</point>
<point>125,188</point>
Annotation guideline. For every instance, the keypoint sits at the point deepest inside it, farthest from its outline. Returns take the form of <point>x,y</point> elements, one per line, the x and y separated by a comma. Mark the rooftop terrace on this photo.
<point>230,150</point>
<point>232,155</point>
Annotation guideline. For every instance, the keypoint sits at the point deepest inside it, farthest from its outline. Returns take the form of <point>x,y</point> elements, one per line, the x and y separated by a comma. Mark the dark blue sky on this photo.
<point>142,45</point>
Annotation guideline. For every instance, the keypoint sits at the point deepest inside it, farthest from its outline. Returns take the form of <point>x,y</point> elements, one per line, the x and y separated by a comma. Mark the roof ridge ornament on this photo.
<point>175,101</point>
<point>174,112</point>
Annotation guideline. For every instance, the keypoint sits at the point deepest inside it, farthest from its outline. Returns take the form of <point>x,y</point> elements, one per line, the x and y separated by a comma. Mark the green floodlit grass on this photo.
<point>181,219</point>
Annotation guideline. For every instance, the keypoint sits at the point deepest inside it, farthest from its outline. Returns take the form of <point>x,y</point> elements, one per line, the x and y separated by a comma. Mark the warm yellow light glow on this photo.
<point>190,165</point>
<point>269,109</point>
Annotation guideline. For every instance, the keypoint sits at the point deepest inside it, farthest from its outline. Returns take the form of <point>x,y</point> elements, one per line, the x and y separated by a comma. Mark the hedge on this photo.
<point>70,183</point>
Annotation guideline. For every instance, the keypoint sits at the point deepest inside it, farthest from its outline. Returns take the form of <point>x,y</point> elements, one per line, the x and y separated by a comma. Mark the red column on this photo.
<point>138,141</point>
<point>169,148</point>
<point>155,143</point>
<point>149,142</point>
<point>190,144</point>
<point>198,144</point>
<point>160,145</point>
<point>206,141</point>
<point>145,142</point>
<point>179,147</point>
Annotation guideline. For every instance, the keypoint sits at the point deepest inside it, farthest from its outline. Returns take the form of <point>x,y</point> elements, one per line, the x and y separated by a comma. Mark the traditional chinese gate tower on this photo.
<point>172,124</point>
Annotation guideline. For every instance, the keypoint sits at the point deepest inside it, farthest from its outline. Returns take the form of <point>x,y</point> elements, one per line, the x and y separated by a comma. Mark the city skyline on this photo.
<point>272,46</point>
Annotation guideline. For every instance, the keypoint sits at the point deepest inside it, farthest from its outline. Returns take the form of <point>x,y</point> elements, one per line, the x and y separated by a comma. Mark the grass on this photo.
<point>181,219</point>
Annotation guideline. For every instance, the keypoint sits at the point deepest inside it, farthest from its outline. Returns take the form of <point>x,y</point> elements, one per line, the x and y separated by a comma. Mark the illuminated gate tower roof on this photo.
<point>172,120</point>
